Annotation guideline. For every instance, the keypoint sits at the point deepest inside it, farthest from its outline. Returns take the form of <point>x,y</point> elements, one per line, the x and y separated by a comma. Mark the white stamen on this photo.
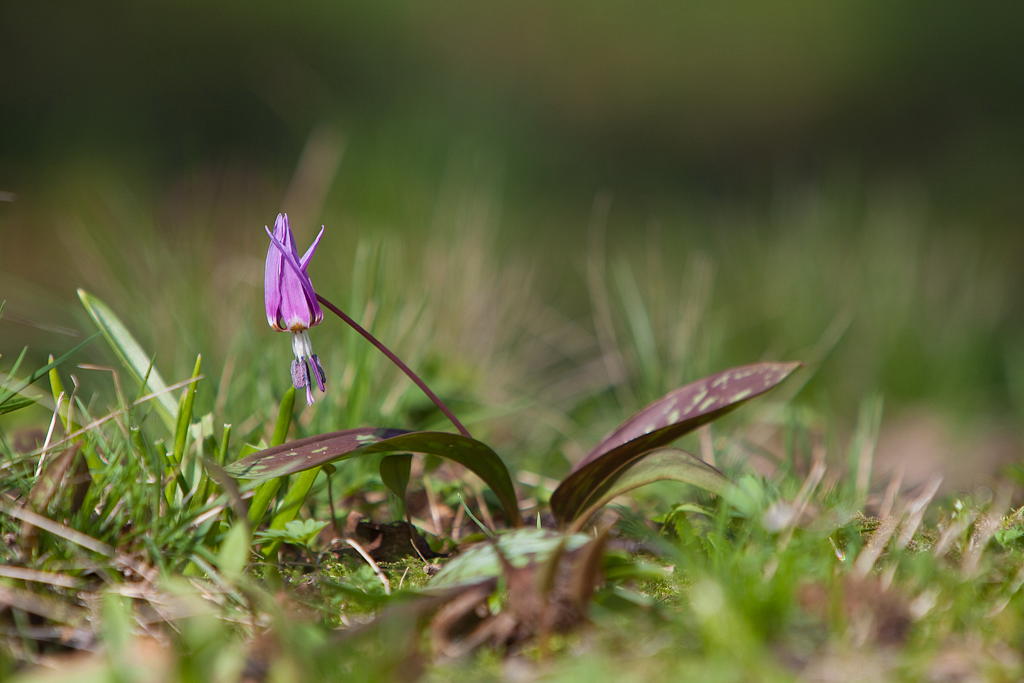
<point>302,347</point>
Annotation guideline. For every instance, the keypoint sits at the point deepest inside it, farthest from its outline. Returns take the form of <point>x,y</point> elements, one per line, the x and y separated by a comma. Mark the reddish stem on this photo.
<point>397,361</point>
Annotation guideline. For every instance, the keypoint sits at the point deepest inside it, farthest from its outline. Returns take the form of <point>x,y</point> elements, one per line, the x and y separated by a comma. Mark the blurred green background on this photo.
<point>583,198</point>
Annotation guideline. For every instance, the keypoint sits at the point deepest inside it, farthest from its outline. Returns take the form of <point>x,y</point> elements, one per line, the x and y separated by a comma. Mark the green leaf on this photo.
<point>520,547</point>
<point>56,390</point>
<point>222,450</point>
<point>285,410</point>
<point>669,464</point>
<point>8,394</point>
<point>394,472</point>
<point>15,403</point>
<point>234,552</point>
<point>1005,537</point>
<point>184,412</point>
<point>296,532</point>
<point>131,355</point>
<point>659,424</point>
<point>313,451</point>
<point>292,502</point>
<point>117,627</point>
<point>266,491</point>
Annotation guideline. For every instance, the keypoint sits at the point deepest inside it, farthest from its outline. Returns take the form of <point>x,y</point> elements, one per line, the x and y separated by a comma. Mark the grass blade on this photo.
<point>9,394</point>
<point>15,403</point>
<point>265,492</point>
<point>234,552</point>
<point>184,412</point>
<point>291,503</point>
<point>131,355</point>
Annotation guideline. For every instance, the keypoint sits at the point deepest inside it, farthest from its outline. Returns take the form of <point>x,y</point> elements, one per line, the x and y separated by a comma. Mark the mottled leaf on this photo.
<point>313,451</point>
<point>669,464</point>
<point>659,424</point>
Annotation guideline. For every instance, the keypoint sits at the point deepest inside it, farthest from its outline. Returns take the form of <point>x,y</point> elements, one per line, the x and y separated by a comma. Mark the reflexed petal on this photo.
<point>304,261</point>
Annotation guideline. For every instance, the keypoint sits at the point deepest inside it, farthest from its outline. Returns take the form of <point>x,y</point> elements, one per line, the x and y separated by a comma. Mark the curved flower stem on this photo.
<point>397,361</point>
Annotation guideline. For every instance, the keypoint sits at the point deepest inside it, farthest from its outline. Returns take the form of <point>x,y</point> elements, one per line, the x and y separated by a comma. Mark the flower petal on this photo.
<point>283,232</point>
<point>271,286</point>
<point>304,261</point>
<point>296,285</point>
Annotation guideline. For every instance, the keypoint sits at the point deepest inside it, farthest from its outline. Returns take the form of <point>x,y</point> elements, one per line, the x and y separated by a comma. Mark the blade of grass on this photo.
<point>43,371</point>
<point>131,355</point>
<point>292,502</point>
<point>188,397</point>
<point>266,491</point>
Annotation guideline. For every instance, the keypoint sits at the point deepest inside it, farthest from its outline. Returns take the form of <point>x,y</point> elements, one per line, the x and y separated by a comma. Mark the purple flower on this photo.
<point>291,302</point>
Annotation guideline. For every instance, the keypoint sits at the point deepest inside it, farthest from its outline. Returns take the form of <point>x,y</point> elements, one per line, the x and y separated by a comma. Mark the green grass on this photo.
<point>817,566</point>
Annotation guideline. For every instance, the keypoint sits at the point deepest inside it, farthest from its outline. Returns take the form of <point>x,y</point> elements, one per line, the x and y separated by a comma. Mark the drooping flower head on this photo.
<point>291,302</point>
<point>288,291</point>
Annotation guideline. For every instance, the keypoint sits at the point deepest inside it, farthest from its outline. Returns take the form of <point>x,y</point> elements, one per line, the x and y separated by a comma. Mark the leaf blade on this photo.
<point>131,355</point>
<point>16,403</point>
<point>394,472</point>
<point>519,547</point>
<point>234,552</point>
<point>266,491</point>
<point>668,464</point>
<point>8,394</point>
<point>677,413</point>
<point>313,451</point>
